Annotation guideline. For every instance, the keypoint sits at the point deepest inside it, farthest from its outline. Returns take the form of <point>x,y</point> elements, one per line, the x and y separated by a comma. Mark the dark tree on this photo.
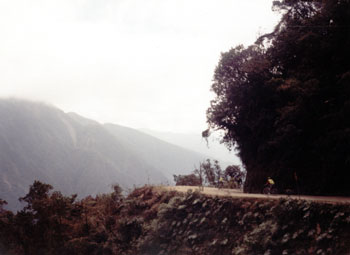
<point>187,180</point>
<point>284,102</point>
<point>209,172</point>
<point>6,228</point>
<point>43,226</point>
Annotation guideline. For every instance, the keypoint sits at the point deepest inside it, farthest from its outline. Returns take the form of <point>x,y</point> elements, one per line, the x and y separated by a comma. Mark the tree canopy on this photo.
<point>284,102</point>
<point>209,174</point>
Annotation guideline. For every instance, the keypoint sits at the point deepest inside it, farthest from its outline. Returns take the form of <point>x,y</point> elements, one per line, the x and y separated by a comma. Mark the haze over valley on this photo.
<point>194,141</point>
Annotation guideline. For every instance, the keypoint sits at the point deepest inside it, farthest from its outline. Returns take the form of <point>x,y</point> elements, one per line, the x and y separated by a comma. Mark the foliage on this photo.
<point>187,180</point>
<point>43,223</point>
<point>212,172</point>
<point>150,221</point>
<point>283,102</point>
<point>235,175</point>
<point>195,224</point>
<point>209,174</point>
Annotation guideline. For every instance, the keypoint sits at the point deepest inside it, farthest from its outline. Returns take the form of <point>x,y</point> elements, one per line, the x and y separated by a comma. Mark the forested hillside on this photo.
<point>284,102</point>
<point>78,155</point>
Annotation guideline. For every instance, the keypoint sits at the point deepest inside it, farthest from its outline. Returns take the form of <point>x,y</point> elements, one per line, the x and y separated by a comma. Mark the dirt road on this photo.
<point>239,194</point>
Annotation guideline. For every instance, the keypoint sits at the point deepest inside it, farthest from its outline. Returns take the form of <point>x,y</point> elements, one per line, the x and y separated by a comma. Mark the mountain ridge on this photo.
<point>79,155</point>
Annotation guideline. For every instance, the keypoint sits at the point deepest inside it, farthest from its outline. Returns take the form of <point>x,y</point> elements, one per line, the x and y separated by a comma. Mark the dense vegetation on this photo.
<point>210,174</point>
<point>284,102</point>
<point>152,221</point>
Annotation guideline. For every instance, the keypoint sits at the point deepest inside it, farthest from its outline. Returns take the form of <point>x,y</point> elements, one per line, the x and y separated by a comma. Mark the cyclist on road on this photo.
<point>270,182</point>
<point>269,187</point>
<point>221,182</point>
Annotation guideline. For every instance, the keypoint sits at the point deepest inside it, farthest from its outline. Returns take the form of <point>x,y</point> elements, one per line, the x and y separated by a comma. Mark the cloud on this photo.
<point>128,61</point>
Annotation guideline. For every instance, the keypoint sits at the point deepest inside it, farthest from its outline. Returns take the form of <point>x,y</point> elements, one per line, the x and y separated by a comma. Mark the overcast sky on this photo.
<point>138,63</point>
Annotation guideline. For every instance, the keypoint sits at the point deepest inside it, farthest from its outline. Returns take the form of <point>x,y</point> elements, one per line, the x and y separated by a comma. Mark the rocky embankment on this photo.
<point>192,223</point>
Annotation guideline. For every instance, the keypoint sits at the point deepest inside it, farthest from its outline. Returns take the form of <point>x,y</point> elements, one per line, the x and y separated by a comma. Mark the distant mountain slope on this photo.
<point>42,142</point>
<point>78,155</point>
<point>165,157</point>
<point>196,143</point>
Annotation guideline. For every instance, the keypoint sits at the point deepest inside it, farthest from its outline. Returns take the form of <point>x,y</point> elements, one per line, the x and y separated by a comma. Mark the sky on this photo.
<point>142,64</point>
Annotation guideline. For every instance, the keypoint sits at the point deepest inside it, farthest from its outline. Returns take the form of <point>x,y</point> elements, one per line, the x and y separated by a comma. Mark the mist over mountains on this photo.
<point>79,155</point>
<point>195,142</point>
